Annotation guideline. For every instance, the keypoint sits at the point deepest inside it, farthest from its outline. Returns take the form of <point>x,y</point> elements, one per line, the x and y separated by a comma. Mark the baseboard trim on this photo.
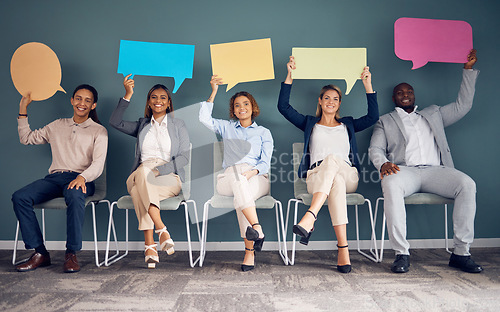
<point>268,246</point>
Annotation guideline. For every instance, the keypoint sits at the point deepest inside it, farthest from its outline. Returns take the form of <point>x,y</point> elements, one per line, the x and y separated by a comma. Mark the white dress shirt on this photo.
<point>421,147</point>
<point>157,142</point>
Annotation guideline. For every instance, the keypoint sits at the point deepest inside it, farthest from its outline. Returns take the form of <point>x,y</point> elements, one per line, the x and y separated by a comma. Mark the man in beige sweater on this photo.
<point>79,145</point>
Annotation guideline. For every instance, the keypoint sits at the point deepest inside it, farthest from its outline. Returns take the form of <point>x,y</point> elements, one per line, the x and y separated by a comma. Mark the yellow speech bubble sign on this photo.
<point>35,68</point>
<point>243,61</point>
<point>330,63</point>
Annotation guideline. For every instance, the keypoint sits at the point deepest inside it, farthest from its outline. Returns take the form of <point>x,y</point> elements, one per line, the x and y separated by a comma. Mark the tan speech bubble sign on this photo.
<point>330,63</point>
<point>243,61</point>
<point>35,68</point>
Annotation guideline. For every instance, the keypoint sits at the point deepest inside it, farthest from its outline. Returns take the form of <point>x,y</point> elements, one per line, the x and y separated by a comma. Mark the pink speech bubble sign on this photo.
<point>430,40</point>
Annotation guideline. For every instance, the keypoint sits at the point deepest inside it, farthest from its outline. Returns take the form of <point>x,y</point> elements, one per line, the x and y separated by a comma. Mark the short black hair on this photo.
<point>401,84</point>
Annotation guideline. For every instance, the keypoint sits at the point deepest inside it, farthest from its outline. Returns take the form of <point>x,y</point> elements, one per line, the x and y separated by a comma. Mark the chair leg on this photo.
<point>14,253</point>
<point>204,233</point>
<point>188,230</point>
<point>446,229</point>
<point>373,244</point>
<point>43,224</point>
<point>374,256</point>
<point>111,226</point>
<point>281,242</point>
<point>381,253</point>
<point>116,257</point>
<point>116,241</point>
<point>374,235</point>
<point>96,249</point>
<point>294,236</point>
<point>286,224</point>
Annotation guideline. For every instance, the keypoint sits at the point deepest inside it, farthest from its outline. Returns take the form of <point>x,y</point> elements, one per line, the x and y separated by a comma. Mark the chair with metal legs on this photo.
<point>419,199</point>
<point>219,201</point>
<point>60,204</point>
<point>172,203</point>
<point>303,197</point>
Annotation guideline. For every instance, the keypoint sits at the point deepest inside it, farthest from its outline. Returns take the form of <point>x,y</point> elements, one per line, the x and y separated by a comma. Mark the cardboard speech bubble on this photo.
<point>35,68</point>
<point>156,59</point>
<point>330,63</point>
<point>242,61</point>
<point>430,40</point>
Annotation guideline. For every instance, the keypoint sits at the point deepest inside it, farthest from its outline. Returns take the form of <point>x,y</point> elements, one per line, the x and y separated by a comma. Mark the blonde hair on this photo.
<point>326,88</point>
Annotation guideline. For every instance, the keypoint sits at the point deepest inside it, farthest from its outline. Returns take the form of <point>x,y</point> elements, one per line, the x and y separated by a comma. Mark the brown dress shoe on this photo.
<point>71,263</point>
<point>36,260</point>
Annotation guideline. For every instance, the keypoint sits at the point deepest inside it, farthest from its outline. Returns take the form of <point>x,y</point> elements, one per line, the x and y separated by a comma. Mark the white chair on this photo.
<point>219,201</point>
<point>172,203</point>
<point>303,197</point>
<point>59,203</point>
<point>420,199</point>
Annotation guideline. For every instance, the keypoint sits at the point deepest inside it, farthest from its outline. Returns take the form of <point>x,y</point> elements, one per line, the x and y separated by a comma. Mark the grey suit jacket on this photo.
<point>388,142</point>
<point>179,137</point>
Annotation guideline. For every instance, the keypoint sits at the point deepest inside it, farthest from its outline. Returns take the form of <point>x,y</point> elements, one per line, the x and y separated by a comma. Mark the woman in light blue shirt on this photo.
<point>247,155</point>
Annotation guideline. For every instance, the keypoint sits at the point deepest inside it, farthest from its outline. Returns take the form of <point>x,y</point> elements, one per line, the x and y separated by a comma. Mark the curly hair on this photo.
<point>255,106</point>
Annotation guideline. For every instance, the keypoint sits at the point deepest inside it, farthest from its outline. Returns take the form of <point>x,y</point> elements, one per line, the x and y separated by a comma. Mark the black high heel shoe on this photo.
<point>305,235</point>
<point>246,267</point>
<point>344,268</point>
<point>253,235</point>
<point>305,240</point>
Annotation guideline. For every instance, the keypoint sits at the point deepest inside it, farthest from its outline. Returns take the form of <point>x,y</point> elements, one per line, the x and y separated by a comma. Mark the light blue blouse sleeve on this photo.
<point>205,117</point>
<point>266,153</point>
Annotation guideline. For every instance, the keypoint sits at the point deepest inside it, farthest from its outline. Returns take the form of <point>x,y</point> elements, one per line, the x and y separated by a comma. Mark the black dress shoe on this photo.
<point>253,235</point>
<point>303,233</point>
<point>299,230</point>
<point>305,240</point>
<point>464,263</point>
<point>257,244</point>
<point>346,268</point>
<point>35,260</point>
<point>246,267</point>
<point>401,264</point>
<point>71,263</point>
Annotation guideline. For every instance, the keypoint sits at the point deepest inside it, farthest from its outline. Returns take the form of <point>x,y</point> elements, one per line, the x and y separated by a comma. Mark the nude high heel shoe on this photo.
<point>168,244</point>
<point>151,260</point>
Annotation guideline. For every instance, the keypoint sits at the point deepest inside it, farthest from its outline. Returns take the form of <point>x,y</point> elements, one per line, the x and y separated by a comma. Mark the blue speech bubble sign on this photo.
<point>156,59</point>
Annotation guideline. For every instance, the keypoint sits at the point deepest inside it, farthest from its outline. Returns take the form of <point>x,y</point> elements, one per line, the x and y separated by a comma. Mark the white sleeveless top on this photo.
<point>329,140</point>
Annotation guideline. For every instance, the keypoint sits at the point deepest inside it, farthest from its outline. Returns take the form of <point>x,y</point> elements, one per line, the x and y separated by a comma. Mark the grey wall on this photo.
<point>86,35</point>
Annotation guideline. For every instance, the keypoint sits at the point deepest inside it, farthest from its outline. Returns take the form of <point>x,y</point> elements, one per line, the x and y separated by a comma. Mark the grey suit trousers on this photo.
<point>440,180</point>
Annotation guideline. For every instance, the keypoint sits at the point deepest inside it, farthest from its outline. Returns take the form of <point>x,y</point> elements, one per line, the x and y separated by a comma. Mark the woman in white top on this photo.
<point>330,162</point>
<point>162,151</point>
<point>247,156</point>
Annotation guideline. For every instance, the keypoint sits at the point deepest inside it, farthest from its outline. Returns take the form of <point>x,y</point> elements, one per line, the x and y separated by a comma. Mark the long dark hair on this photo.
<point>147,111</point>
<point>93,112</point>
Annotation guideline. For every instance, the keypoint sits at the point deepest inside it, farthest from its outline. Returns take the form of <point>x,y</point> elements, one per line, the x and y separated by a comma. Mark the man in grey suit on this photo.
<point>409,148</point>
